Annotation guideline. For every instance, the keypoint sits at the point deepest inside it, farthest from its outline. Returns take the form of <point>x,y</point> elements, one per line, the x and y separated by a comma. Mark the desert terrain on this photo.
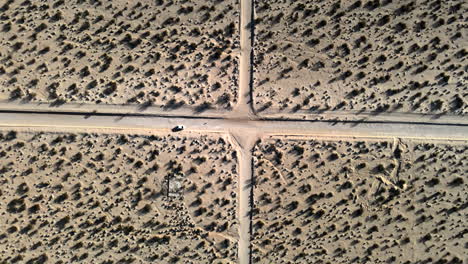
<point>360,57</point>
<point>165,54</point>
<point>233,131</point>
<point>117,198</point>
<point>359,201</point>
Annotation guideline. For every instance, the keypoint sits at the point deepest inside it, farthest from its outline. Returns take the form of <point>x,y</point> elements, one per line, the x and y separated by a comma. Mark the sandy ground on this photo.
<point>360,56</point>
<point>170,54</point>
<point>359,201</point>
<point>239,135</point>
<point>246,181</point>
<point>92,197</point>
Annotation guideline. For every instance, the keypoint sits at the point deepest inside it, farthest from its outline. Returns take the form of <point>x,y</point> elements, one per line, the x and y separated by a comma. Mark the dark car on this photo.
<point>178,128</point>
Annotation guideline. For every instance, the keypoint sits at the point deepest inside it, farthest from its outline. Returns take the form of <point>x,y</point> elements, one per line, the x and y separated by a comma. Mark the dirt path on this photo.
<point>245,136</point>
<point>240,127</point>
<point>244,143</point>
<point>243,109</point>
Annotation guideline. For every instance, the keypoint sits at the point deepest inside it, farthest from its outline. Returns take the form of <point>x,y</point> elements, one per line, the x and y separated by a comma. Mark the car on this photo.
<point>178,128</point>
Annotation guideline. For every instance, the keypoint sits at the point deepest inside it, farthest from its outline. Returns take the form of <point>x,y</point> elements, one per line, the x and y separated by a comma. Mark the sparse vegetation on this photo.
<point>345,200</point>
<point>89,192</point>
<point>352,54</point>
<point>108,53</point>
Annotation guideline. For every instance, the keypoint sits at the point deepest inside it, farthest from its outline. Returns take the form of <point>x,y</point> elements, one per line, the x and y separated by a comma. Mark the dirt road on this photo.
<point>241,127</point>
